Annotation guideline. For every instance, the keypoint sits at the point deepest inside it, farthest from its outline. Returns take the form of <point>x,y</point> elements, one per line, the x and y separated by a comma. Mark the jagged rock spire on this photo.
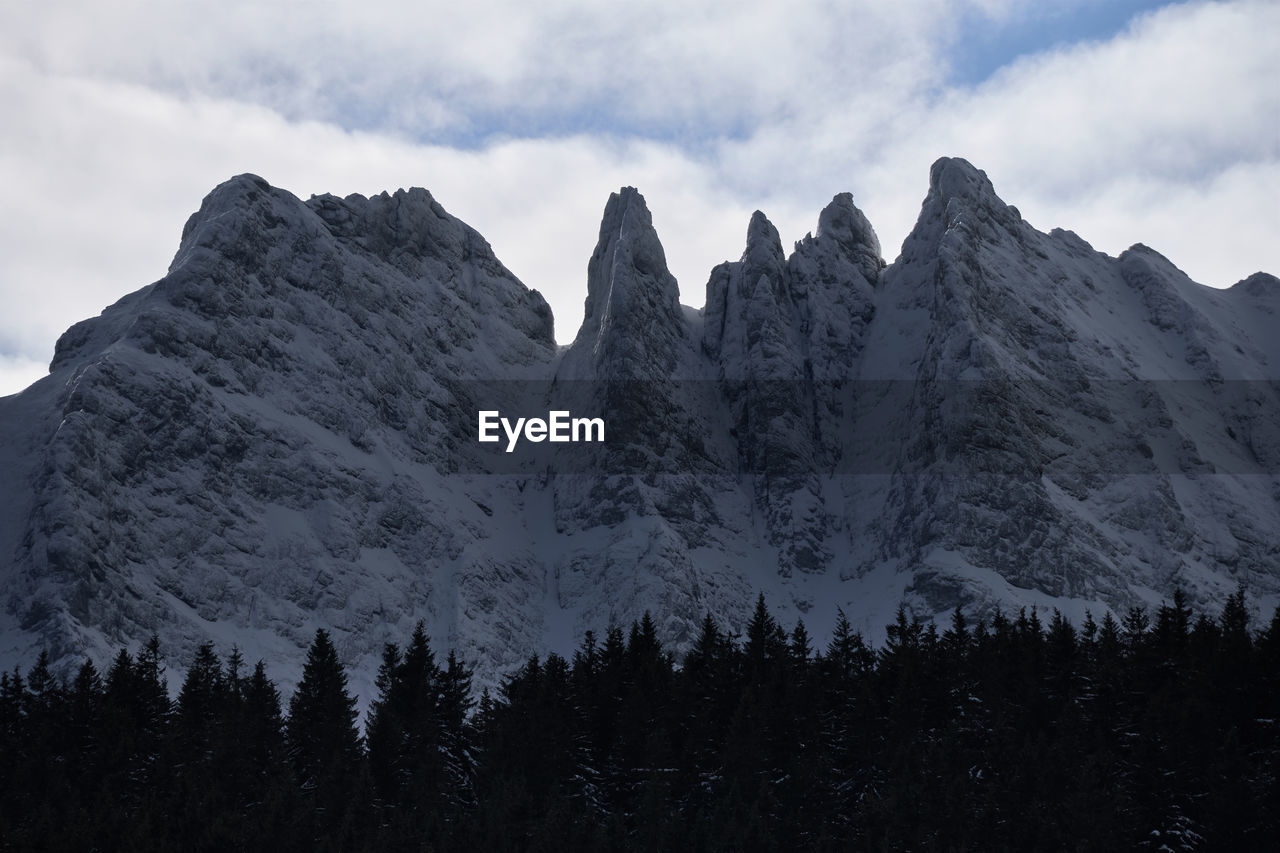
<point>849,227</point>
<point>632,324</point>
<point>962,200</point>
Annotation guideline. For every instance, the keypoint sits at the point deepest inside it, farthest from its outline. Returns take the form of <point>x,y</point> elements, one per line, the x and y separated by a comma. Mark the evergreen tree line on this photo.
<point>1157,732</point>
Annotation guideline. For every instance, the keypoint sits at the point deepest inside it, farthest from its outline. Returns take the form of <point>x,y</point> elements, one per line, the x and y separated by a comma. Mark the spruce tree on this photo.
<point>705,691</point>
<point>201,708</point>
<point>269,796</point>
<point>324,746</point>
<point>405,743</point>
<point>457,740</point>
<point>203,791</point>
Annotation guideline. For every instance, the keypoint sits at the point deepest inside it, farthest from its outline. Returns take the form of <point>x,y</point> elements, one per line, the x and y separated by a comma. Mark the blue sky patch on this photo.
<point>983,47</point>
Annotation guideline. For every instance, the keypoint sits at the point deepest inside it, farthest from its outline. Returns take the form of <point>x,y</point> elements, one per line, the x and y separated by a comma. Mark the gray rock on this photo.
<point>279,435</point>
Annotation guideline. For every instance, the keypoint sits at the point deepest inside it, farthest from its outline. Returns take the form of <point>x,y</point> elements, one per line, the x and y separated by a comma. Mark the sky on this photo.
<point>1125,121</point>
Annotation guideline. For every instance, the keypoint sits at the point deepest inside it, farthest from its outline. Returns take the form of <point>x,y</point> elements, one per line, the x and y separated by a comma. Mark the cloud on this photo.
<point>1218,231</point>
<point>433,69</point>
<point>17,373</point>
<point>105,174</point>
<point>1164,134</point>
<point>119,124</point>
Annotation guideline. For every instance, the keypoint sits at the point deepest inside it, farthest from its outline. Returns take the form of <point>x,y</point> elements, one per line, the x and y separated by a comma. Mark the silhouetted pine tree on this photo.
<point>413,725</point>
<point>136,713</point>
<point>1019,737</point>
<point>269,794</point>
<point>13,753</point>
<point>457,738</point>
<point>532,781</point>
<point>199,794</point>
<point>325,750</point>
<point>803,790</point>
<point>845,727</point>
<point>753,740</point>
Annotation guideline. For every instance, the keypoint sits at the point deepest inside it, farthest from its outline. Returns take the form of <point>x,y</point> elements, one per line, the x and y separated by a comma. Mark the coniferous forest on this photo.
<point>1158,732</point>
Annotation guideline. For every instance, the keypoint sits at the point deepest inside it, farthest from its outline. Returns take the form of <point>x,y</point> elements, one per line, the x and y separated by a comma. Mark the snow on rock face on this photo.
<point>260,443</point>
<point>1070,412</point>
<point>279,435</point>
<point>784,334</point>
<point>632,512</point>
<point>633,327</point>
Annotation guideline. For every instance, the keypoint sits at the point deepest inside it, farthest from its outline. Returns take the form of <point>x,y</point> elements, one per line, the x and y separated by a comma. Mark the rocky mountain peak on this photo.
<point>960,214</point>
<point>245,204</point>
<point>1259,284</point>
<point>955,177</point>
<point>239,192</point>
<point>633,326</point>
<point>764,246</point>
<point>628,258</point>
<point>280,435</point>
<point>842,222</point>
<point>745,296</point>
<point>962,199</point>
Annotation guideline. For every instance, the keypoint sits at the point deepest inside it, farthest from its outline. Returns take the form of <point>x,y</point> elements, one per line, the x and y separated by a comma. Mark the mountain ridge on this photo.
<point>279,434</point>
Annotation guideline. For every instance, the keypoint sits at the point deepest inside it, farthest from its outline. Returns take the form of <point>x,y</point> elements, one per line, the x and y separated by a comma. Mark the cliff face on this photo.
<point>280,434</point>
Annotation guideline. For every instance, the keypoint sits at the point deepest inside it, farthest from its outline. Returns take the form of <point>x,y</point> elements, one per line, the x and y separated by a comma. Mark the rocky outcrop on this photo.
<point>280,435</point>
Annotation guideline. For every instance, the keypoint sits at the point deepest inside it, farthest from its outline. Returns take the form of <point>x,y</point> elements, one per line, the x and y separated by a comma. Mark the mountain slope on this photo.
<point>281,434</point>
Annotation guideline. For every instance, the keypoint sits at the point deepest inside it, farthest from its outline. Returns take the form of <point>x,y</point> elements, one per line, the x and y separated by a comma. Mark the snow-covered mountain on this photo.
<point>280,434</point>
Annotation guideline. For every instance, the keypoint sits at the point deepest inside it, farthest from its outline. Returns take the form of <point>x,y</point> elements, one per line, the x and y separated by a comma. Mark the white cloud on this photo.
<point>107,174</point>
<point>18,373</point>
<point>1218,231</point>
<point>117,125</point>
<point>675,65</point>
<point>1166,134</point>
